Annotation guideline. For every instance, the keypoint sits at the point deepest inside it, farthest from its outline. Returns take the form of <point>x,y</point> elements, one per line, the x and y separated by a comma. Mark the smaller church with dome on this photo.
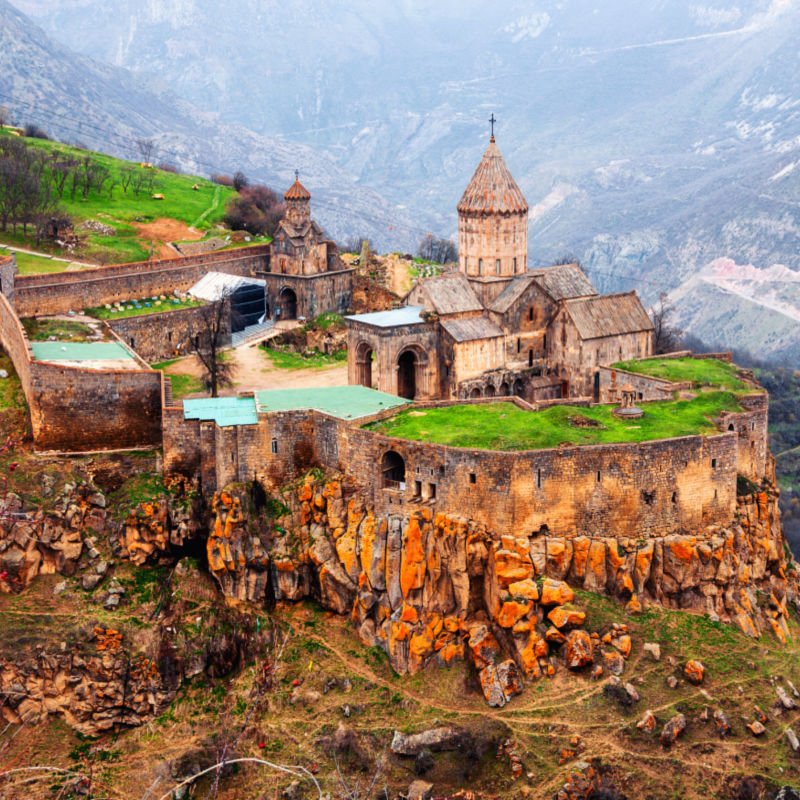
<point>492,327</point>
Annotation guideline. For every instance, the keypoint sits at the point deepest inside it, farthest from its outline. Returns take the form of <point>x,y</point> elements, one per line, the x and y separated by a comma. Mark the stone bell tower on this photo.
<point>298,204</point>
<point>492,221</point>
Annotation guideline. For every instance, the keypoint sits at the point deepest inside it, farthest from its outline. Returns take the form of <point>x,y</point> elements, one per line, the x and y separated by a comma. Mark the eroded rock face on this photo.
<point>96,687</point>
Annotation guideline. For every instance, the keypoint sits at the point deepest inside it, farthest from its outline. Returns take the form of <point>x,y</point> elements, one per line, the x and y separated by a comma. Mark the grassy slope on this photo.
<point>152,307</point>
<point>700,371</point>
<point>200,209</point>
<point>503,426</point>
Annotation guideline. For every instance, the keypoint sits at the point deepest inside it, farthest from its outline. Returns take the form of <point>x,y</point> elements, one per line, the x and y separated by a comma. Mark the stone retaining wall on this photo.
<point>73,291</point>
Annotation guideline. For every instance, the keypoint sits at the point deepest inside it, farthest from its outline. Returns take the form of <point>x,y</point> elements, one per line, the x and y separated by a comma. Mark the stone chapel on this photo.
<point>494,326</point>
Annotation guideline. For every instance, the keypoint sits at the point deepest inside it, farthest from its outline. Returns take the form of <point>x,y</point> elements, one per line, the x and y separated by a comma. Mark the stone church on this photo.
<point>305,276</point>
<point>493,326</point>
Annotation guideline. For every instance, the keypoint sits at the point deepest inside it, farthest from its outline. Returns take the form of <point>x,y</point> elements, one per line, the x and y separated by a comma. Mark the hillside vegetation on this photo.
<point>122,212</point>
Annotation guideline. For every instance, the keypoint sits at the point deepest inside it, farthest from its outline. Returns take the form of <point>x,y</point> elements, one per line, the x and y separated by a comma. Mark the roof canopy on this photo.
<point>608,315</point>
<point>297,192</point>
<point>492,189</point>
<point>449,293</point>
<point>214,286</point>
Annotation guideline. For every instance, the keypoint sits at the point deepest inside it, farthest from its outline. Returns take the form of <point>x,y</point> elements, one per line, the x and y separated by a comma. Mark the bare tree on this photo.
<point>567,258</point>
<point>208,335</point>
<point>666,337</point>
<point>147,150</point>
<point>4,116</point>
<point>125,178</point>
<point>440,251</point>
<point>240,181</point>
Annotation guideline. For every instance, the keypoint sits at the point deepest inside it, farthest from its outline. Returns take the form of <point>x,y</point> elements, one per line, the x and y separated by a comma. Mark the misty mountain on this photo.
<point>650,139</point>
<point>80,100</point>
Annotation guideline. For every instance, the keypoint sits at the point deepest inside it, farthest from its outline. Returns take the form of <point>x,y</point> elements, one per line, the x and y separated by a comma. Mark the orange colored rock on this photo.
<point>683,549</point>
<point>613,662</point>
<point>511,566</point>
<point>510,612</point>
<point>412,569</point>
<point>623,644</point>
<point>647,723</point>
<point>563,617</point>
<point>673,729</point>
<point>579,651</point>
<point>694,672</point>
<point>556,593</point>
<point>634,605</point>
<point>525,590</point>
<point>555,636</point>
<point>409,614</point>
<point>483,646</point>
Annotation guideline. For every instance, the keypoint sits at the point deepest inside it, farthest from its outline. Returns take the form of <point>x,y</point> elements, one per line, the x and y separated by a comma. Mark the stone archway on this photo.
<point>503,389</point>
<point>490,392</point>
<point>287,303</point>
<point>364,357</point>
<point>407,365</point>
<point>475,393</point>
<point>393,470</point>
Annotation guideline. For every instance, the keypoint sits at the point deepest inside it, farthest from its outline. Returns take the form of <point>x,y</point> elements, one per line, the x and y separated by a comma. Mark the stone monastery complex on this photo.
<point>412,526</point>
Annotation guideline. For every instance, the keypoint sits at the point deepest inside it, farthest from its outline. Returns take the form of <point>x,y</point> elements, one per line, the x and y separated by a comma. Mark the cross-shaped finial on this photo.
<point>492,120</point>
<point>297,174</point>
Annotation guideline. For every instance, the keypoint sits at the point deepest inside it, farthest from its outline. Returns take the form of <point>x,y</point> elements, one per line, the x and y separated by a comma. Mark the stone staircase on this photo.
<point>251,332</point>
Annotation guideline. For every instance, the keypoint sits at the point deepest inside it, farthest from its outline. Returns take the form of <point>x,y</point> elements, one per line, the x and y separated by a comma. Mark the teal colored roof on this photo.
<point>224,411</point>
<point>345,402</point>
<point>80,351</point>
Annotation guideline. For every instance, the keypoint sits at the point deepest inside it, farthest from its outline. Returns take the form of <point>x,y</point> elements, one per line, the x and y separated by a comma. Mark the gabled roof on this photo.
<point>467,330</point>
<point>564,281</point>
<point>506,299</point>
<point>297,191</point>
<point>493,188</point>
<point>608,315</point>
<point>449,293</point>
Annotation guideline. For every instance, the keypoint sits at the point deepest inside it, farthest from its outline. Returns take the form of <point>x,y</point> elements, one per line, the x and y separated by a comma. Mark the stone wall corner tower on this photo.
<point>492,222</point>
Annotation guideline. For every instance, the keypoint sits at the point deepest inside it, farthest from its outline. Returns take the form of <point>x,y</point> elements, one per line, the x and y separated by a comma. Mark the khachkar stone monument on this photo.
<point>493,220</point>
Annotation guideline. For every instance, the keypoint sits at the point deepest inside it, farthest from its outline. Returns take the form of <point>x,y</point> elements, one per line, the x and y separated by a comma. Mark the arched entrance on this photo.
<point>393,469</point>
<point>287,303</point>
<point>475,393</point>
<point>364,358</point>
<point>504,389</point>
<point>519,388</point>
<point>407,374</point>
<point>490,390</point>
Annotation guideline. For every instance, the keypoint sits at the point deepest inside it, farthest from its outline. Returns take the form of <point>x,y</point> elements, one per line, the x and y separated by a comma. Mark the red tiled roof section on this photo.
<point>493,188</point>
<point>297,192</point>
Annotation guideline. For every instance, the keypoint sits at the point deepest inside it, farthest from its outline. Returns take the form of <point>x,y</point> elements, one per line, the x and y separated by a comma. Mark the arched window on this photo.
<point>393,468</point>
<point>480,266</point>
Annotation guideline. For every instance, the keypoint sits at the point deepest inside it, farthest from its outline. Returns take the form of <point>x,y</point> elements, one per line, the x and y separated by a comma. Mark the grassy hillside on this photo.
<point>130,221</point>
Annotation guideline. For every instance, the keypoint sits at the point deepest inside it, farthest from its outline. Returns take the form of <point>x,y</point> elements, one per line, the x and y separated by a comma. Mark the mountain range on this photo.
<point>650,139</point>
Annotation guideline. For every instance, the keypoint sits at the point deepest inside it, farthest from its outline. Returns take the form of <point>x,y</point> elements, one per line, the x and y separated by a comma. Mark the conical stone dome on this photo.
<point>297,192</point>
<point>492,189</point>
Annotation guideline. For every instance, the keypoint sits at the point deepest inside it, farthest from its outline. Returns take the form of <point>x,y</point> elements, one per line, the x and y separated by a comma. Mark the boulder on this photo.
<point>787,702</point>
<point>613,662</point>
<point>447,737</point>
<point>579,650</point>
<point>564,617</point>
<point>419,790</point>
<point>694,671</point>
<point>556,593</point>
<point>722,724</point>
<point>647,723</point>
<point>672,730</point>
<point>653,649</point>
<point>791,737</point>
<point>756,728</point>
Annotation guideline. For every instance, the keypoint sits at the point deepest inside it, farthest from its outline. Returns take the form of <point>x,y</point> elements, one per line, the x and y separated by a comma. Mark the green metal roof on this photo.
<point>345,402</point>
<point>80,351</point>
<point>224,411</point>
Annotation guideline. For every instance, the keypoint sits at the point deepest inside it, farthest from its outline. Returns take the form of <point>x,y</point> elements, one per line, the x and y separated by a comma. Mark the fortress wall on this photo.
<point>158,337</point>
<point>60,292</point>
<point>181,442</point>
<point>80,409</point>
<point>14,341</point>
<point>8,273</point>
<point>653,488</point>
<point>750,427</point>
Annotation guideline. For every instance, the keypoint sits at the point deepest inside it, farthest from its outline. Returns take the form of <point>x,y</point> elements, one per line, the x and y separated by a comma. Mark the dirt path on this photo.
<point>162,231</point>
<point>253,370</point>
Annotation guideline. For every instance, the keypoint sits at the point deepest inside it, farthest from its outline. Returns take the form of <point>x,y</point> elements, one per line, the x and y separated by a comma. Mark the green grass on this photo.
<point>11,396</point>
<point>288,359</point>
<point>182,385</point>
<point>503,426</point>
<point>702,372</point>
<point>326,321</point>
<point>41,329</point>
<point>37,265</point>
<point>155,307</point>
<point>202,208</point>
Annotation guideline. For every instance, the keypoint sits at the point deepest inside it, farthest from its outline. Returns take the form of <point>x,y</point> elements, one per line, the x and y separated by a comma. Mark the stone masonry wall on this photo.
<point>316,294</point>
<point>8,271</point>
<point>15,343</point>
<point>57,293</point>
<point>157,337</point>
<point>79,409</point>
